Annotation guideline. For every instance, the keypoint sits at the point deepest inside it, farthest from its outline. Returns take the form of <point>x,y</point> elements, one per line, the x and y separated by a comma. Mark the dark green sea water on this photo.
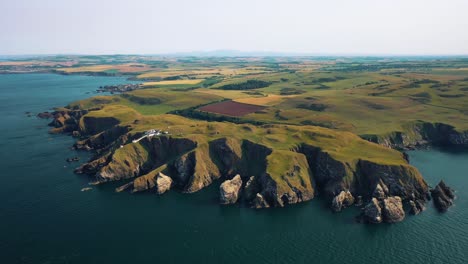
<point>45,218</point>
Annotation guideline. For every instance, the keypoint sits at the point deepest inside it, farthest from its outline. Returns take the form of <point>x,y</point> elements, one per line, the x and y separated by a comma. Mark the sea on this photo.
<point>46,217</point>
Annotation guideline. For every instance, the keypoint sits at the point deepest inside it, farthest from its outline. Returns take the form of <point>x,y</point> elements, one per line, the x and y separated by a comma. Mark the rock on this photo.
<point>251,189</point>
<point>73,159</point>
<point>442,196</point>
<point>163,183</point>
<point>76,133</point>
<point>358,201</point>
<point>372,213</point>
<point>86,189</point>
<point>416,207</point>
<point>380,191</point>
<point>229,190</point>
<point>259,202</point>
<point>45,115</point>
<point>342,200</point>
<point>393,209</point>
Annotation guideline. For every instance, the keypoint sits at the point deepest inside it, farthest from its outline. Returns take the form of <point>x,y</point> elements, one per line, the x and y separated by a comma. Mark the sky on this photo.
<point>325,27</point>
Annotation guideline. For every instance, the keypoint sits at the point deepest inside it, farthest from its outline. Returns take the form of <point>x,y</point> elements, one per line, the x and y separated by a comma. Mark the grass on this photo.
<point>173,82</point>
<point>358,95</point>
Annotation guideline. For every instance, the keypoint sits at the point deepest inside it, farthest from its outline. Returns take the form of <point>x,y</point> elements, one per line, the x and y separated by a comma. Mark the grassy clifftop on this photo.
<point>289,163</point>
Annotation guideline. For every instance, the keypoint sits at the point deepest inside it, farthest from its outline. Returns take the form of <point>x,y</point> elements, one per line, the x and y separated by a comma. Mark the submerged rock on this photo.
<point>342,200</point>
<point>163,183</point>
<point>45,115</point>
<point>372,213</point>
<point>259,202</point>
<point>443,196</point>
<point>74,159</point>
<point>229,190</point>
<point>393,210</point>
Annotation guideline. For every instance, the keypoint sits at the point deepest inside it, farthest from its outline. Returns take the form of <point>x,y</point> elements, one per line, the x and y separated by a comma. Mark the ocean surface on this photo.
<point>46,218</point>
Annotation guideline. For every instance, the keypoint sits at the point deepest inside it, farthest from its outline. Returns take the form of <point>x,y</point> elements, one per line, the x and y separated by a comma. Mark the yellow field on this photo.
<point>269,100</point>
<point>173,82</point>
<point>203,72</point>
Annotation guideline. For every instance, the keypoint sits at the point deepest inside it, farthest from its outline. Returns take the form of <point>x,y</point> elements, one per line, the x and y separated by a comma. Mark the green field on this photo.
<point>361,95</point>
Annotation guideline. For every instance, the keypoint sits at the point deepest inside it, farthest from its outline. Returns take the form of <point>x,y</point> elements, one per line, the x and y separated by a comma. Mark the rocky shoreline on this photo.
<point>421,134</point>
<point>381,191</point>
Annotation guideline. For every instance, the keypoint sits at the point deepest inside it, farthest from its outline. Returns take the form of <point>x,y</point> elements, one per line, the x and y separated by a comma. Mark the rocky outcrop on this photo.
<point>91,125</point>
<point>380,191</point>
<point>289,184</point>
<point>343,200</point>
<point>227,154</point>
<point>420,134</point>
<point>392,209</point>
<point>329,174</point>
<point>416,207</point>
<point>163,183</point>
<point>389,210</point>
<point>137,159</point>
<point>251,189</point>
<point>229,190</point>
<point>395,180</point>
<point>259,202</point>
<point>443,196</point>
<point>64,120</point>
<point>113,137</point>
<point>372,213</point>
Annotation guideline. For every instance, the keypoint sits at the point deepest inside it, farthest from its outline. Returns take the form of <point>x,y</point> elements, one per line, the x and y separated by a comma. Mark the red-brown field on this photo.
<point>231,108</point>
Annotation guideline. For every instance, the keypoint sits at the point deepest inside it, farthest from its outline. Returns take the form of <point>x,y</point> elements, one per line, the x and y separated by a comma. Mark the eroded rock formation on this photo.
<point>229,190</point>
<point>442,196</point>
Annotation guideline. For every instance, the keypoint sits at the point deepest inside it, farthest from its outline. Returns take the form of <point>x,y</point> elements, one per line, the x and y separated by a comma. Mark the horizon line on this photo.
<point>236,53</point>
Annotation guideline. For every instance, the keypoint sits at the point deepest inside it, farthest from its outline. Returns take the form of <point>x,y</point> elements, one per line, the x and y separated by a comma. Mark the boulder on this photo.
<point>372,213</point>
<point>229,190</point>
<point>416,207</point>
<point>163,183</point>
<point>393,209</point>
<point>342,200</point>
<point>259,202</point>
<point>442,196</point>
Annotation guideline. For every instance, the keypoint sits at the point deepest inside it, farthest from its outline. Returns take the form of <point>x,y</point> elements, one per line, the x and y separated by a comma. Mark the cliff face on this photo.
<point>193,166</point>
<point>281,165</point>
<point>64,120</point>
<point>334,178</point>
<point>421,134</point>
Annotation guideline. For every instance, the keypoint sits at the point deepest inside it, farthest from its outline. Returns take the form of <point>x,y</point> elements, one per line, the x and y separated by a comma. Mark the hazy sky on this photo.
<point>303,26</point>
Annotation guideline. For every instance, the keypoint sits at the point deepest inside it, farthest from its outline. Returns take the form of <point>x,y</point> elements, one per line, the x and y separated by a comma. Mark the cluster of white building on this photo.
<point>151,133</point>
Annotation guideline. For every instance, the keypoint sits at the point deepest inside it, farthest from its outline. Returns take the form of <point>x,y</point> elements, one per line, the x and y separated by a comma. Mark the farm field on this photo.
<point>231,108</point>
<point>365,96</point>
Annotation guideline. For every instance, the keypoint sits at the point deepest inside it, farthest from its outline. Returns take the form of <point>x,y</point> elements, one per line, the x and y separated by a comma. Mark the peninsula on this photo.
<point>274,131</point>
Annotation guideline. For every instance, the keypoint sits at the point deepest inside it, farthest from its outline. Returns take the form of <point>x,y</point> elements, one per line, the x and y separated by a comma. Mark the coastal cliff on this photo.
<point>420,134</point>
<point>276,165</point>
